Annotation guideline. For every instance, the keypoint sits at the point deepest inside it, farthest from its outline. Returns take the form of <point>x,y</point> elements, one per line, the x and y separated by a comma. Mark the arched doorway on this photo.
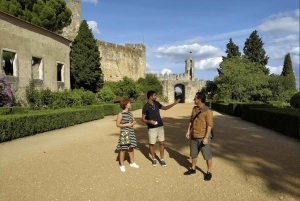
<point>179,92</point>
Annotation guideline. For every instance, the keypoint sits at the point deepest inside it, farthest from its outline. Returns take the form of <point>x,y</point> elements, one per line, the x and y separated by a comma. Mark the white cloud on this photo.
<point>93,25</point>
<point>194,40</point>
<point>90,1</point>
<point>287,39</point>
<point>166,71</point>
<point>178,54</point>
<point>208,64</point>
<point>281,23</point>
<point>275,70</point>
<point>149,69</point>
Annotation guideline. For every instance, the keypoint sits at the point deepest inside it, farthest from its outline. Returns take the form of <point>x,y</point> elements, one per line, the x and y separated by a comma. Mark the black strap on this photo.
<point>203,110</point>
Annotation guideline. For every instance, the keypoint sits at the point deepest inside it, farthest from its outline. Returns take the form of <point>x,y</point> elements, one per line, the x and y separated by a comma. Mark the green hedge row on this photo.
<point>15,124</point>
<point>283,120</point>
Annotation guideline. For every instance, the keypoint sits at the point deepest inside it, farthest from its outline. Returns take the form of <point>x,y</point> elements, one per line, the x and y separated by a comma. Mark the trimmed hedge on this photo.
<point>20,125</point>
<point>283,120</point>
<point>17,122</point>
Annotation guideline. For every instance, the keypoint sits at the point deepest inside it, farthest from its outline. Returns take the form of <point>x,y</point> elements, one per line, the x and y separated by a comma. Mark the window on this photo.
<point>60,72</point>
<point>37,67</point>
<point>9,63</point>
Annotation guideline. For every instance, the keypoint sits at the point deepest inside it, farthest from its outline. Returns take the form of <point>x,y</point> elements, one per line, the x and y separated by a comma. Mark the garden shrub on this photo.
<point>106,94</point>
<point>295,100</point>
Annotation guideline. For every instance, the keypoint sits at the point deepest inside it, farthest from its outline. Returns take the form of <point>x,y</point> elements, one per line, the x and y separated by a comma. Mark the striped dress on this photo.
<point>126,117</point>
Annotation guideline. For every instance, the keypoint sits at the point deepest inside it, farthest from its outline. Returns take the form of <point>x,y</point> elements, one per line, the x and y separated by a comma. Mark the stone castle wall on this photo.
<point>118,61</point>
<point>71,31</point>
<point>189,86</point>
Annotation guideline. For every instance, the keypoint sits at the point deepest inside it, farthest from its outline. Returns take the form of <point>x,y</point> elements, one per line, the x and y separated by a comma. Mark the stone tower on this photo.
<point>189,67</point>
<point>71,31</point>
<point>186,81</point>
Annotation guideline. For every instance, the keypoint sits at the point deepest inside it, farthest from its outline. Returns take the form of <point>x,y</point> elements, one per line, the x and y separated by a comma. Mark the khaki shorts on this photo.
<point>197,145</point>
<point>156,133</point>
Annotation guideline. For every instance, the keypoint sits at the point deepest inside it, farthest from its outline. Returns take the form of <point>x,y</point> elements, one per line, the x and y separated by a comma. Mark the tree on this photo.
<point>85,61</point>
<point>106,94</point>
<point>240,80</point>
<point>232,51</point>
<point>211,87</point>
<point>256,53</point>
<point>49,14</point>
<point>150,82</point>
<point>127,88</point>
<point>288,74</point>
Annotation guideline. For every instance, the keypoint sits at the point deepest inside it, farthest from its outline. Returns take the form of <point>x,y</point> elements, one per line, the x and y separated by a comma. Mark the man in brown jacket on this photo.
<point>199,131</point>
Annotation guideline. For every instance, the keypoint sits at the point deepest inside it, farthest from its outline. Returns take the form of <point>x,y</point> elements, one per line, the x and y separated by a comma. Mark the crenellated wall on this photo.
<point>118,61</point>
<point>185,81</point>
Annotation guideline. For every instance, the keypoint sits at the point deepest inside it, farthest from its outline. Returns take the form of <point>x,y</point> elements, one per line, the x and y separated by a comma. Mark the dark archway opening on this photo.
<point>179,92</point>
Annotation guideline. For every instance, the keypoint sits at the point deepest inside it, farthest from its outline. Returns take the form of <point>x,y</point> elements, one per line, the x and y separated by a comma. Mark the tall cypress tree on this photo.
<point>288,73</point>
<point>232,50</point>
<point>255,52</point>
<point>85,60</point>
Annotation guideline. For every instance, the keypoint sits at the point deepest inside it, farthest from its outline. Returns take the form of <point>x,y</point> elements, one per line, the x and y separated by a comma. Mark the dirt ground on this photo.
<point>80,163</point>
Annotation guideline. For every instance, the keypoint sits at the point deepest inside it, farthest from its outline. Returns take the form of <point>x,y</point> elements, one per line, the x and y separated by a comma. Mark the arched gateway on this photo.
<point>188,84</point>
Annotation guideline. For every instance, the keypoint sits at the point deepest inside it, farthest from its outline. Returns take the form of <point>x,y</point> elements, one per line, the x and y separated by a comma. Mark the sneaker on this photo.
<point>208,176</point>
<point>134,165</point>
<point>154,163</point>
<point>190,171</point>
<point>122,168</point>
<point>163,163</point>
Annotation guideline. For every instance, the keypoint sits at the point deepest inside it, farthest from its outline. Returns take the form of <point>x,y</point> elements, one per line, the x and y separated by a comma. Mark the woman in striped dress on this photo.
<point>125,121</point>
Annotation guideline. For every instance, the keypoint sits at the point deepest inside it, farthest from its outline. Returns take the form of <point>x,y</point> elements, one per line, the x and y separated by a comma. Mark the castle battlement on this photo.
<point>73,1</point>
<point>126,47</point>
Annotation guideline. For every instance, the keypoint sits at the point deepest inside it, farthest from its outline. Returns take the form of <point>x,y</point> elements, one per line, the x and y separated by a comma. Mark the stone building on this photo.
<point>34,54</point>
<point>186,81</point>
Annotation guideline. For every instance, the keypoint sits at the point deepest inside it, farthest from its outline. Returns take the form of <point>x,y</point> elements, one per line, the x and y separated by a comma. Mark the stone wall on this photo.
<point>189,87</point>
<point>71,31</point>
<point>30,43</point>
<point>186,81</point>
<point>118,61</point>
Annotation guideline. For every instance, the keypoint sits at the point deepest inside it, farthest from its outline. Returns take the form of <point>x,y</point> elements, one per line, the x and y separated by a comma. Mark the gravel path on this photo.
<point>80,163</point>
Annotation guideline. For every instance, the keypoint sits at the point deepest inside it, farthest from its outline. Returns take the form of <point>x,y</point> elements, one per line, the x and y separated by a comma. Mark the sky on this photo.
<point>171,29</point>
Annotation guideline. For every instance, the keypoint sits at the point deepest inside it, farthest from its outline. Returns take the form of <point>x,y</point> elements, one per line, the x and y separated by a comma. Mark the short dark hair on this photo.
<point>150,93</point>
<point>201,96</point>
<point>123,103</point>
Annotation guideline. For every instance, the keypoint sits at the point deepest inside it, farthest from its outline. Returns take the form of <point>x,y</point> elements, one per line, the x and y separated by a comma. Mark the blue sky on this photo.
<point>171,29</point>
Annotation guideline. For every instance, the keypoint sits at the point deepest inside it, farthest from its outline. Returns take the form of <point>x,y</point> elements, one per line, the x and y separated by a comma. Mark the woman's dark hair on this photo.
<point>150,93</point>
<point>201,96</point>
<point>123,103</point>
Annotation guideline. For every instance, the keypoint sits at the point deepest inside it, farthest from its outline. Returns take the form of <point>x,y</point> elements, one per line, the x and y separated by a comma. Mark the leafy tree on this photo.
<point>150,82</point>
<point>256,53</point>
<point>49,14</point>
<point>106,93</point>
<point>85,61</point>
<point>210,87</point>
<point>127,88</point>
<point>232,51</point>
<point>240,80</point>
<point>288,74</point>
